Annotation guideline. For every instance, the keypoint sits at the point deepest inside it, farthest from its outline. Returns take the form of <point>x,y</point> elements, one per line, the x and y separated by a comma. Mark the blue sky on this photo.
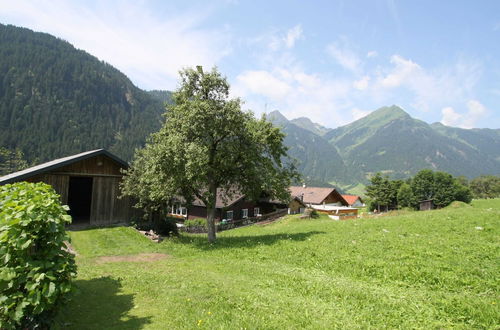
<point>331,61</point>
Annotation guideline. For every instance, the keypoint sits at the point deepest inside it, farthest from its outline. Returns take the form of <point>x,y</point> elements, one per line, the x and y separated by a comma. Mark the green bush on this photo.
<point>35,270</point>
<point>199,222</point>
<point>166,227</point>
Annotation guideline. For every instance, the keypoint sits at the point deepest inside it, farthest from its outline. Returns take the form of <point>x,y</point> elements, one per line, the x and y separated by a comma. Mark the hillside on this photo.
<point>56,100</point>
<point>419,270</point>
<point>390,141</point>
<point>307,124</point>
<point>318,160</point>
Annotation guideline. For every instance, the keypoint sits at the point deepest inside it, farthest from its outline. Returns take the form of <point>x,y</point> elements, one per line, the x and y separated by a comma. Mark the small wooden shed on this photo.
<point>427,205</point>
<point>87,182</point>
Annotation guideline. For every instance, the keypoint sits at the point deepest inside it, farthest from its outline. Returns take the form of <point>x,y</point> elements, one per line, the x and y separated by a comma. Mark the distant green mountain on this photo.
<point>307,124</point>
<point>390,141</point>
<point>56,100</point>
<point>484,140</point>
<point>318,160</point>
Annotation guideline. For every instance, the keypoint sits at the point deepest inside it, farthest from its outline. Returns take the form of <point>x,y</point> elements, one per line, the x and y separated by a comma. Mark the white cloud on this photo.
<point>403,70</point>
<point>428,89</point>
<point>475,112</point>
<point>293,35</point>
<point>450,117</point>
<point>277,41</point>
<point>358,114</point>
<point>264,83</point>
<point>362,83</point>
<point>295,93</point>
<point>372,53</point>
<point>149,47</point>
<point>345,57</point>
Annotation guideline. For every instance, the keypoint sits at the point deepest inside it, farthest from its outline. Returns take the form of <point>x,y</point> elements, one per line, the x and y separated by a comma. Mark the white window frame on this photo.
<point>229,213</point>
<point>178,209</point>
<point>244,213</point>
<point>256,211</point>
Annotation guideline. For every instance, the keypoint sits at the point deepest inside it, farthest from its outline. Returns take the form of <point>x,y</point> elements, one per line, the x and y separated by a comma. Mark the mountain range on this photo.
<point>390,141</point>
<point>56,100</point>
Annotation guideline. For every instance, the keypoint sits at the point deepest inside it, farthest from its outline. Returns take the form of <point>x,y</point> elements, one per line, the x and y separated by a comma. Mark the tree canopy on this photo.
<point>207,143</point>
<point>441,187</point>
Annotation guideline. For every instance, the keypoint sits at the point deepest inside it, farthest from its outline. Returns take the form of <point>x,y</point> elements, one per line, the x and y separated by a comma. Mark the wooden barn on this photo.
<point>87,182</point>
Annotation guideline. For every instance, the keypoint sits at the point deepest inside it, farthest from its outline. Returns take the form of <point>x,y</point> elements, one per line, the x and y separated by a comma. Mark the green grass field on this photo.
<point>435,269</point>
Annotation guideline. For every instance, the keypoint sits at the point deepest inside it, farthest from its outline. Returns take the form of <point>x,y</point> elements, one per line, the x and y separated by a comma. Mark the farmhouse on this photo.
<point>235,206</point>
<point>87,182</point>
<point>354,200</point>
<point>325,200</point>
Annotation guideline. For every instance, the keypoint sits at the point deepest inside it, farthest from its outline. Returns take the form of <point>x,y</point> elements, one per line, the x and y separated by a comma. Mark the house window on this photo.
<point>229,215</point>
<point>256,212</point>
<point>244,213</point>
<point>178,209</point>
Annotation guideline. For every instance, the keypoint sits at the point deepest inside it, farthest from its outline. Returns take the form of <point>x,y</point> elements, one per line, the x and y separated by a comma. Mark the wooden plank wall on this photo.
<point>60,183</point>
<point>106,207</point>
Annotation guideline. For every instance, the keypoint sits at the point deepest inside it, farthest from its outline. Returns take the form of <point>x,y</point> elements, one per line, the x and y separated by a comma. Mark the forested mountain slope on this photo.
<point>56,100</point>
<point>317,159</point>
<point>391,141</point>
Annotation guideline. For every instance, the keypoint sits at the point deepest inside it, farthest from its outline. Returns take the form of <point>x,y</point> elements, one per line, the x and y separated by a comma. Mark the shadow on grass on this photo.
<point>228,242</point>
<point>99,304</point>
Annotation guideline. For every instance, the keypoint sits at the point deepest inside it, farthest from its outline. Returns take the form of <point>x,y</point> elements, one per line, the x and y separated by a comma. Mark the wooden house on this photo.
<point>318,195</point>
<point>325,200</point>
<point>234,206</point>
<point>87,182</point>
<point>354,200</point>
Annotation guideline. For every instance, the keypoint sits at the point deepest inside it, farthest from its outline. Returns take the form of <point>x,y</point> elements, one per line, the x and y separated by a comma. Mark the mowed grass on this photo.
<point>434,269</point>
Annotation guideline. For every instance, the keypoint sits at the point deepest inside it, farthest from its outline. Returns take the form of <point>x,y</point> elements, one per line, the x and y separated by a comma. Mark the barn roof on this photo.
<point>314,195</point>
<point>53,164</point>
<point>351,199</point>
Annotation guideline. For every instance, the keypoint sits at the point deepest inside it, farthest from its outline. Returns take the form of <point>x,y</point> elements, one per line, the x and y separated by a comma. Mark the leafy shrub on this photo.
<point>35,270</point>
<point>166,227</point>
<point>199,222</point>
<point>141,224</point>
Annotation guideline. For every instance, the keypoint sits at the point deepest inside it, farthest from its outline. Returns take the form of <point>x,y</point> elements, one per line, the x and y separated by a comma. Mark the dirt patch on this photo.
<point>142,257</point>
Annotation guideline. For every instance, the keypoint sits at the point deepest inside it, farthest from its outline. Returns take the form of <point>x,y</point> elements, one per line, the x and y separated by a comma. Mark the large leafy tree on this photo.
<point>208,143</point>
<point>441,187</point>
<point>486,186</point>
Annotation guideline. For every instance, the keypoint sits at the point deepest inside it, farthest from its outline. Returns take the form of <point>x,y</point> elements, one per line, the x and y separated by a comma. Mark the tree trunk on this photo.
<point>211,224</point>
<point>211,213</point>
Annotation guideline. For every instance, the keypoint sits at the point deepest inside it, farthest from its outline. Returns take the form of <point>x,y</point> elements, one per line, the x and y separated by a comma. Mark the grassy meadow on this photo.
<point>434,269</point>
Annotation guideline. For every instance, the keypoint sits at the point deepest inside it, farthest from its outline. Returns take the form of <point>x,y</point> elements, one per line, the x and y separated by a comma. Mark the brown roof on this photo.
<point>223,200</point>
<point>351,199</point>
<point>313,195</point>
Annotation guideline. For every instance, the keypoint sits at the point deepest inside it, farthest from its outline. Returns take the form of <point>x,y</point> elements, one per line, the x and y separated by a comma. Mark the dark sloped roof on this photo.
<point>224,199</point>
<point>53,164</point>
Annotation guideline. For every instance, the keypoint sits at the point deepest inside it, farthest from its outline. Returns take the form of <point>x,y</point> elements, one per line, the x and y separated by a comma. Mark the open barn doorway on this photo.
<point>80,199</point>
